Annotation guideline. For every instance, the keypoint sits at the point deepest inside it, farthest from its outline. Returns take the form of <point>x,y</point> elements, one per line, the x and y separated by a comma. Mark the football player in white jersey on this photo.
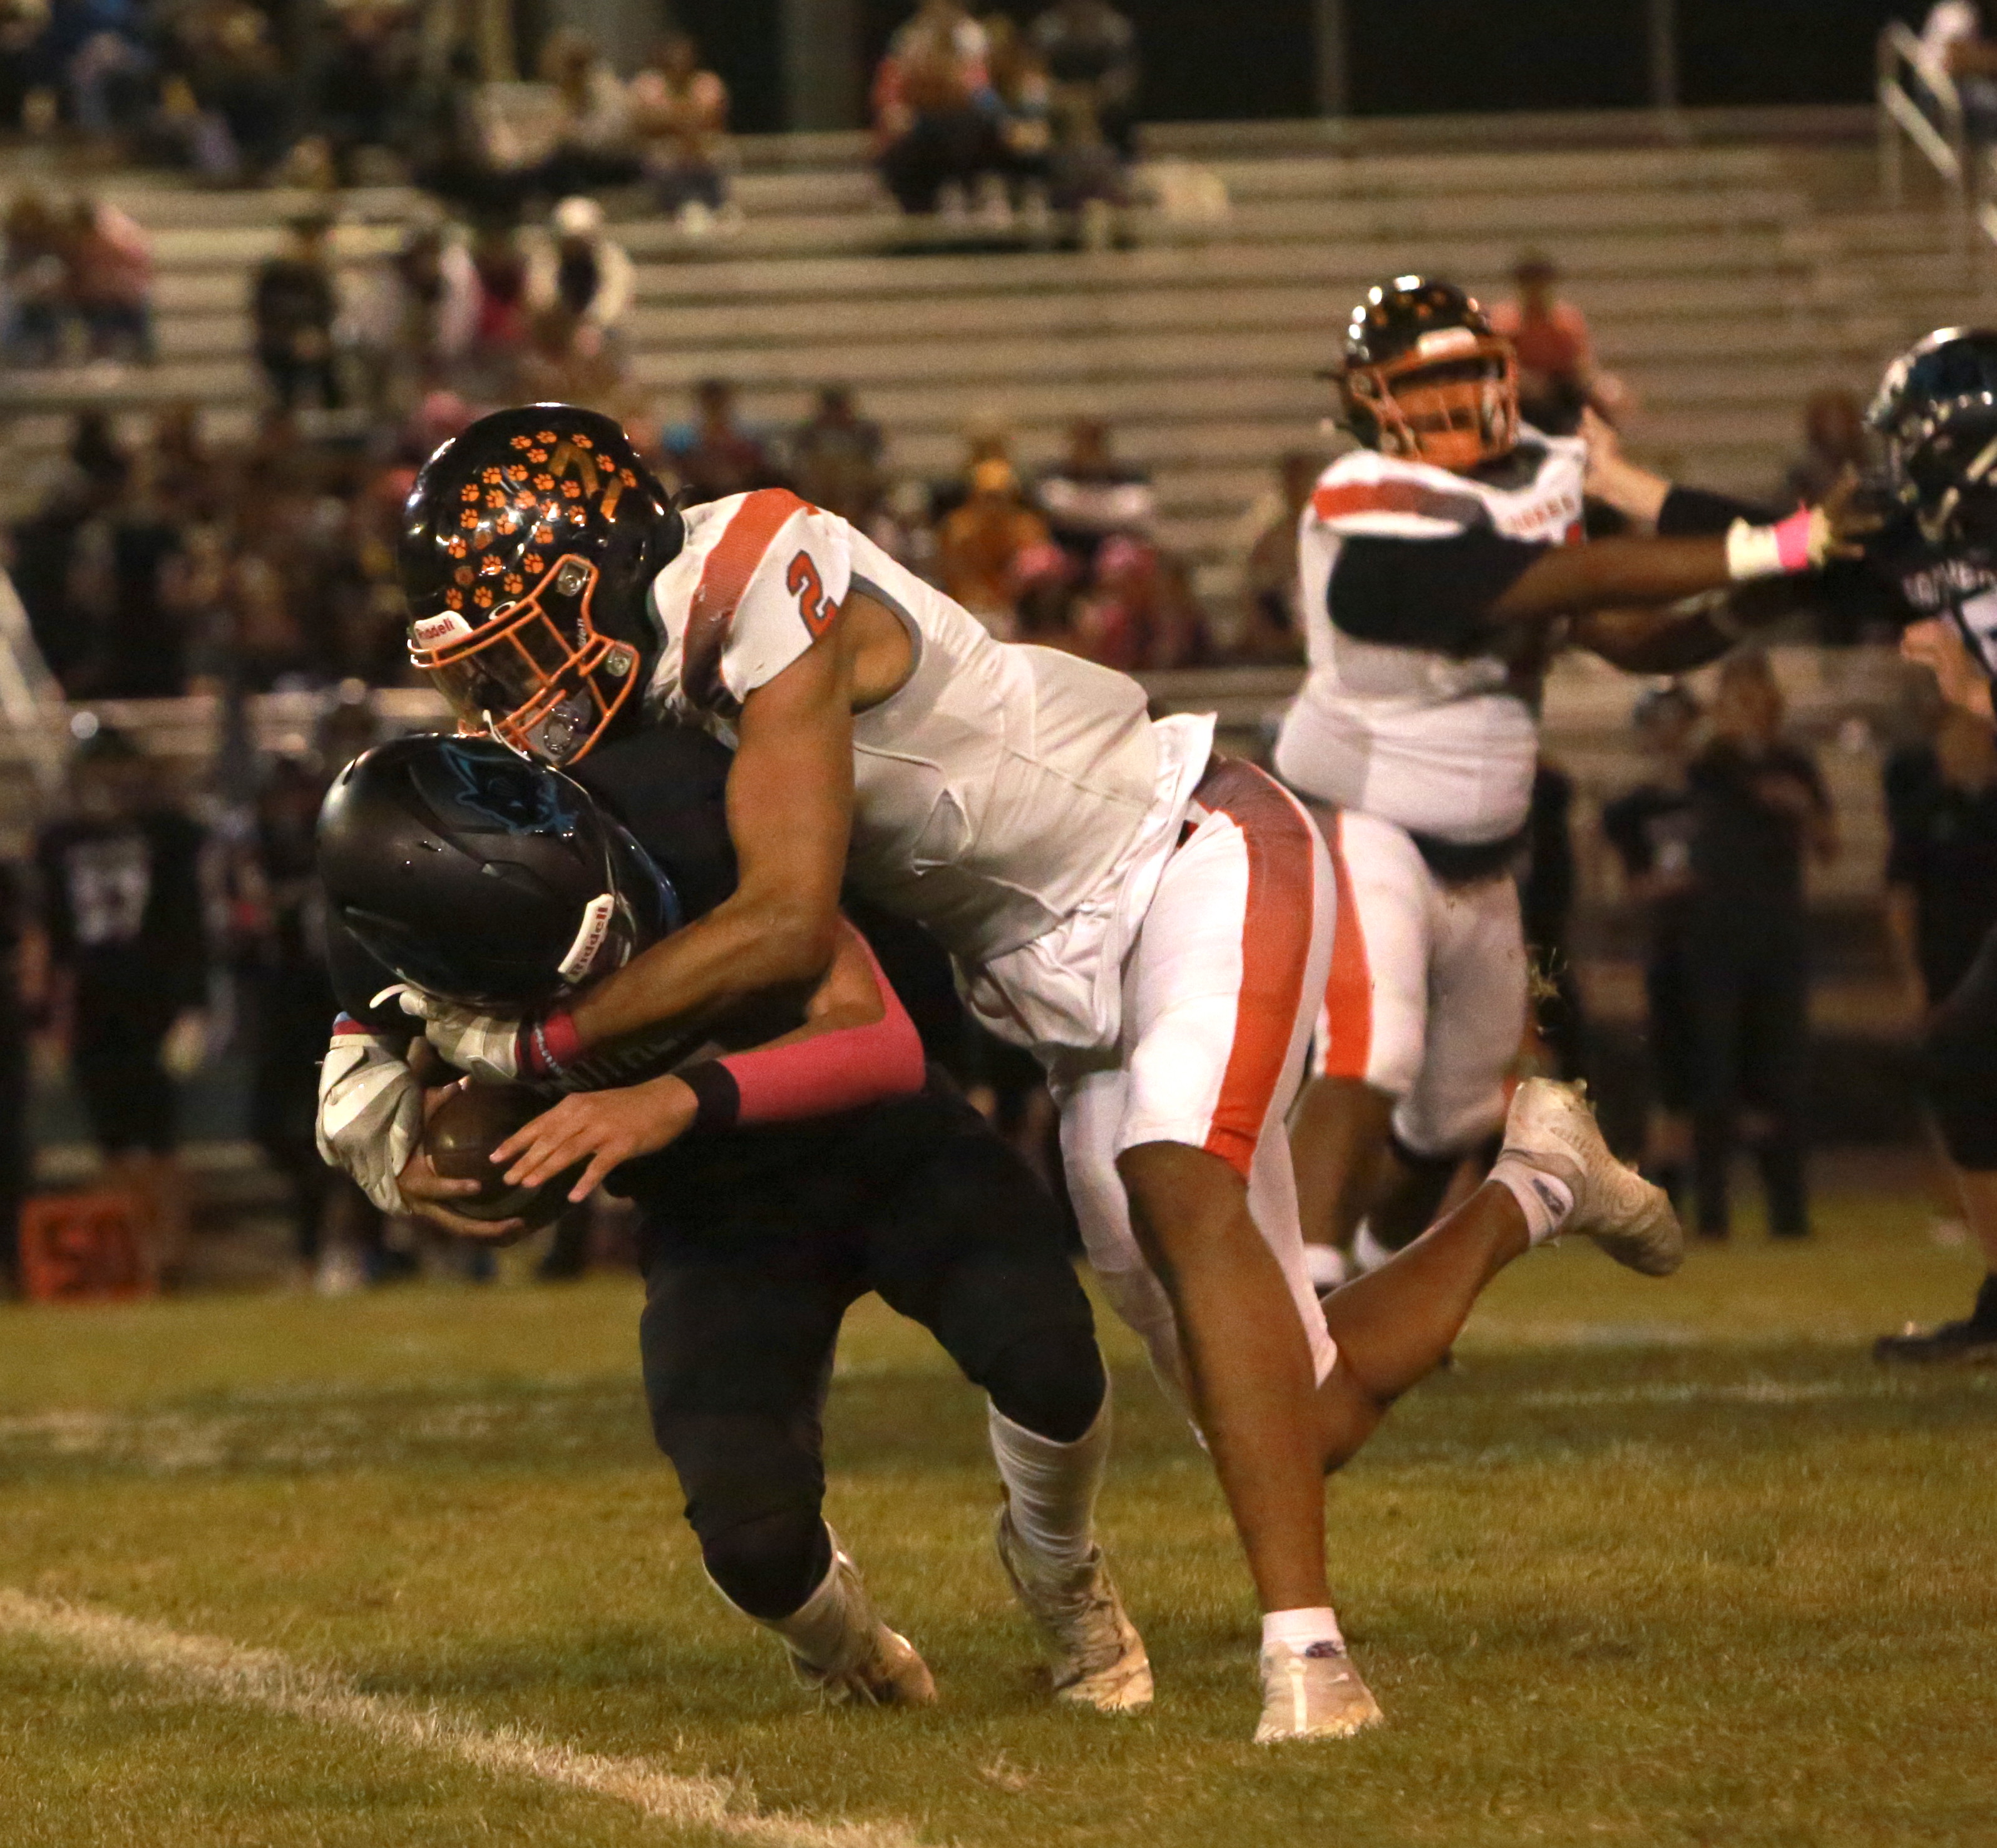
<point>1440,567</point>
<point>1153,921</point>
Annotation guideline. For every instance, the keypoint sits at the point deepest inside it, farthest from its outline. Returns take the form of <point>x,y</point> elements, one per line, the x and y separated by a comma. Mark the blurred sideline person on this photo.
<point>1650,829</point>
<point>1438,563</point>
<point>1760,815</point>
<point>1152,920</point>
<point>121,908</point>
<point>1934,415</point>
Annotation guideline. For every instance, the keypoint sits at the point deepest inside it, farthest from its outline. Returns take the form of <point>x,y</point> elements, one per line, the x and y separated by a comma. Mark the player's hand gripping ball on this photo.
<point>459,1139</point>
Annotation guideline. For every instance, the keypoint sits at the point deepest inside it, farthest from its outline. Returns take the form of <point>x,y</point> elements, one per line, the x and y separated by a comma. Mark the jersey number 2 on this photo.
<point>814,605</point>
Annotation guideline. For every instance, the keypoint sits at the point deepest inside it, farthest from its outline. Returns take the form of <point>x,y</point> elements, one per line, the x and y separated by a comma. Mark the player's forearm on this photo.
<point>1575,581</point>
<point>743,950</point>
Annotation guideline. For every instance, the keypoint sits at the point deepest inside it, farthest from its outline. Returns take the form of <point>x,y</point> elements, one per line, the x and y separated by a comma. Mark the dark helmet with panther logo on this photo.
<point>529,542</point>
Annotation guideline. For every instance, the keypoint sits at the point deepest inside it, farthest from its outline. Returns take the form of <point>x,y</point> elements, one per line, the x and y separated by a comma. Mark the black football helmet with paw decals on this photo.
<point>529,543</point>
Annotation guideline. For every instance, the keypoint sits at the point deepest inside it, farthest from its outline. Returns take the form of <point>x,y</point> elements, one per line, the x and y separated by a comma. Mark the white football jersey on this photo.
<point>1434,742</point>
<point>996,792</point>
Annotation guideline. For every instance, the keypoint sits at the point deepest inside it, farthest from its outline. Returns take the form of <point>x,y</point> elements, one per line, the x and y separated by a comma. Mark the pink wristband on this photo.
<point>1792,540</point>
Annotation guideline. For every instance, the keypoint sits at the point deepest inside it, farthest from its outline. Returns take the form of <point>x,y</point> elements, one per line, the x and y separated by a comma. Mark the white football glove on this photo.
<point>371,1115</point>
<point>481,1045</point>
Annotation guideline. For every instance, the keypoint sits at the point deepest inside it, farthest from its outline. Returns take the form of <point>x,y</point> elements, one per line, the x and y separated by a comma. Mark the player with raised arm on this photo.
<point>1154,921</point>
<point>1441,569</point>
<point>776,1182</point>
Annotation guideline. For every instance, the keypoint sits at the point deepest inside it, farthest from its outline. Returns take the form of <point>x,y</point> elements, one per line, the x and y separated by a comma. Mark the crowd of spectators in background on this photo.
<point>979,115</point>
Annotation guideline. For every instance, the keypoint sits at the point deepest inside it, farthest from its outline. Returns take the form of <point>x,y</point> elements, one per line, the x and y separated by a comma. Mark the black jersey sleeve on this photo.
<point>668,784</point>
<point>1697,513</point>
<point>1434,594</point>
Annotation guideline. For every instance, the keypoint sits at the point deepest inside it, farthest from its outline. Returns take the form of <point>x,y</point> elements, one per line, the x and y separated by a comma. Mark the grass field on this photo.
<point>1655,1563</point>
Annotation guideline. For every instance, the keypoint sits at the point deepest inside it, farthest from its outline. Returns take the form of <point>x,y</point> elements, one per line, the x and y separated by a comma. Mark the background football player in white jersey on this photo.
<point>1153,921</point>
<point>1440,567</point>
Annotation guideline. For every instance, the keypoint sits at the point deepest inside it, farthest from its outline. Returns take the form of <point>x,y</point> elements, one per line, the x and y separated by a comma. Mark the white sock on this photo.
<point>1297,1630</point>
<point>1545,1199</point>
<point>1368,1253</point>
<point>1051,1487</point>
<point>1327,1266</point>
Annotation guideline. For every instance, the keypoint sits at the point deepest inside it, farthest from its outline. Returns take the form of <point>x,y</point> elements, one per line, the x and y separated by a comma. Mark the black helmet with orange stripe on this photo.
<point>528,544</point>
<point>1425,377</point>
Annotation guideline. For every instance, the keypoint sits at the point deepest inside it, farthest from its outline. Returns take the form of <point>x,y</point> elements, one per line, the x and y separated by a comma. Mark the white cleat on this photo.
<point>1313,1693</point>
<point>1551,1126</point>
<point>839,1646</point>
<point>1099,1658</point>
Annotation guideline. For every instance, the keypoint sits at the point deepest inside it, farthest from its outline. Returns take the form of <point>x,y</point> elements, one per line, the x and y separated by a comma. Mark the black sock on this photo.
<point>1984,1315</point>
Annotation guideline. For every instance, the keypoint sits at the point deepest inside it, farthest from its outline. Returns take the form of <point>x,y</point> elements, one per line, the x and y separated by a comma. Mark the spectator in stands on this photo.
<point>583,269</point>
<point>136,647</point>
<point>121,909</point>
<point>680,113</point>
<point>1089,497</point>
<point>1650,829</point>
<point>937,123</point>
<point>227,51</point>
<point>178,132</point>
<point>35,273</point>
<point>1272,628</point>
<point>294,305</point>
<point>415,321</point>
<point>363,85</point>
<point>565,361</point>
<point>1954,41</point>
<point>1759,809</point>
<point>1025,98</point>
<point>994,548</point>
<point>499,329</point>
<point>1835,439</point>
<point>24,25</point>
<point>1090,51</point>
<point>594,144</point>
<point>99,47</point>
<point>1558,378</point>
<point>836,457</point>
<point>1140,611</point>
<point>714,455</point>
<point>109,280</point>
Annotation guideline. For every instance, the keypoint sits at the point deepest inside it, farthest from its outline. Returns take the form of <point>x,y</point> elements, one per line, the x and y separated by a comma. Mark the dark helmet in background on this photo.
<point>529,542</point>
<point>1937,414</point>
<point>1425,377</point>
<point>484,878</point>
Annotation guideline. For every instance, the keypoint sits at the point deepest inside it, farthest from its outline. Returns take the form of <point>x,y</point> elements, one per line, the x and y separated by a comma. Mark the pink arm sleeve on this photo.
<point>839,1070</point>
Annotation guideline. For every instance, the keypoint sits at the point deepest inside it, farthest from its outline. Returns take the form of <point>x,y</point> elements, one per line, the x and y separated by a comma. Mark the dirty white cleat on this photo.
<point>1313,1692</point>
<point>1552,1130</point>
<point>839,1646</point>
<point>1099,1658</point>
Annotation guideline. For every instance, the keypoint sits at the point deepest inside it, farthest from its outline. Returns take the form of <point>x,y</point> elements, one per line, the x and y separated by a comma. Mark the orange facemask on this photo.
<point>1452,399</point>
<point>538,675</point>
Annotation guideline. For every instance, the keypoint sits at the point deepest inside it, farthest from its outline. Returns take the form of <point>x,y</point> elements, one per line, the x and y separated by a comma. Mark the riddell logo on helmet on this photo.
<point>1445,341</point>
<point>434,632</point>
<point>596,916</point>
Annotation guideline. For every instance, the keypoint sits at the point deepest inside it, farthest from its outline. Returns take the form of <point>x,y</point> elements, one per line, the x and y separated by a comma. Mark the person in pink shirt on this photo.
<point>1558,378</point>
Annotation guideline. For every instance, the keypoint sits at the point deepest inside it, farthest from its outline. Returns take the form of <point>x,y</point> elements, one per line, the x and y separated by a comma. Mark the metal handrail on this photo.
<point>1931,118</point>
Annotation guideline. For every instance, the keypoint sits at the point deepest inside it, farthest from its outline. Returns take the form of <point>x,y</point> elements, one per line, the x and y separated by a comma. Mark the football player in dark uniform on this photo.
<point>777,1185</point>
<point>1937,412</point>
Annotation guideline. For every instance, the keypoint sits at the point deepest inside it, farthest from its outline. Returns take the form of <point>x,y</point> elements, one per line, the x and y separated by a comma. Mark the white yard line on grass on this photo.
<point>273,1683</point>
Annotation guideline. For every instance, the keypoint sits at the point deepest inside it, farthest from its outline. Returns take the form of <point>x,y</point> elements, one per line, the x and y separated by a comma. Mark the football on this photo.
<point>459,1137</point>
